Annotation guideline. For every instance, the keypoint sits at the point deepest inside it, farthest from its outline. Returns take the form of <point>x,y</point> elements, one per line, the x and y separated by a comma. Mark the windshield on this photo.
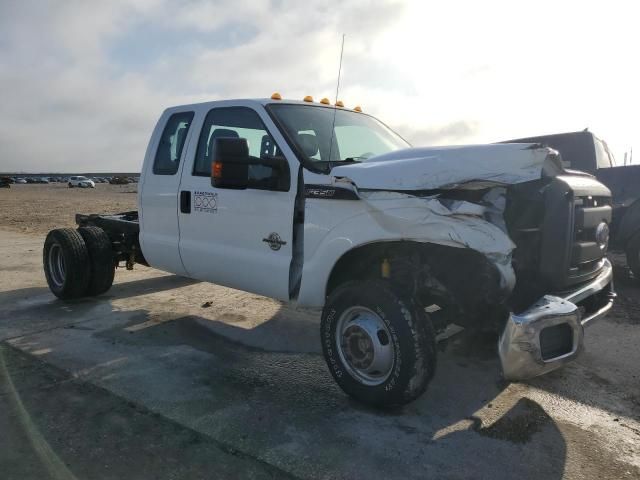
<point>356,136</point>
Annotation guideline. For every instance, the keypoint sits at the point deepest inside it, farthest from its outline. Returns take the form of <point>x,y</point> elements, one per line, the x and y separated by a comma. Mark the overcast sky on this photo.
<point>83,82</point>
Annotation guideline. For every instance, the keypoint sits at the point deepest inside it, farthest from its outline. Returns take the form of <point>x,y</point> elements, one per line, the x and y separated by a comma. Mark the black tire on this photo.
<point>101,260</point>
<point>412,338</point>
<point>633,255</point>
<point>66,263</point>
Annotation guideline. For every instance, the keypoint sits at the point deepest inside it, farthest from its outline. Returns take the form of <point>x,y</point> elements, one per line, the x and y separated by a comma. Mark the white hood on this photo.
<point>474,166</point>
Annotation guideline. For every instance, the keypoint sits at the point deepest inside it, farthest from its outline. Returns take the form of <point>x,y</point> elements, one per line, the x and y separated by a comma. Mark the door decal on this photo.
<point>206,202</point>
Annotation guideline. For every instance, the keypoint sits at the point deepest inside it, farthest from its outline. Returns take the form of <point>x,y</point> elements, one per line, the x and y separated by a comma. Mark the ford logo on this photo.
<point>602,235</point>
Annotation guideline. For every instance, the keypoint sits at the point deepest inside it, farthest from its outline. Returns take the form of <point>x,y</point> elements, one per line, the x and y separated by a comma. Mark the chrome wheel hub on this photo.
<point>56,265</point>
<point>365,346</point>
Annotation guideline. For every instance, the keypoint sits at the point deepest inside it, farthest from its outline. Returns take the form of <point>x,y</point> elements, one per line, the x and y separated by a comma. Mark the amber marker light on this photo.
<point>216,169</point>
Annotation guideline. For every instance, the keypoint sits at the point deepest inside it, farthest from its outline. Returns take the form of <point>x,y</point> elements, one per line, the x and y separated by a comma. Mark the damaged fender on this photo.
<point>396,206</point>
<point>456,224</point>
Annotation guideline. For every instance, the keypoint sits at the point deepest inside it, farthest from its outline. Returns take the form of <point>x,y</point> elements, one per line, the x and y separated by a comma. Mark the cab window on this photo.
<point>171,144</point>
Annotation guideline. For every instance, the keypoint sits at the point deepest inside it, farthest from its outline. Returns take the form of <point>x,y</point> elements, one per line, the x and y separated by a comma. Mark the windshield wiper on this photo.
<point>353,159</point>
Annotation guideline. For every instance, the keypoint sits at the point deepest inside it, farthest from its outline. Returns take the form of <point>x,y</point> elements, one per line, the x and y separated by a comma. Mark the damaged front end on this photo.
<point>550,333</point>
<point>537,226</point>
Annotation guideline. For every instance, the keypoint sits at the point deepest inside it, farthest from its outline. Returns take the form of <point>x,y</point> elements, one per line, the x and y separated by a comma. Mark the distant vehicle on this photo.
<point>81,182</point>
<point>43,180</point>
<point>20,180</point>
<point>119,181</point>
<point>5,182</point>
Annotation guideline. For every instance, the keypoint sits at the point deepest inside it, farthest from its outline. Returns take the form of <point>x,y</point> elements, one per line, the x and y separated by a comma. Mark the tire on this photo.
<point>66,263</point>
<point>101,261</point>
<point>373,305</point>
<point>633,255</point>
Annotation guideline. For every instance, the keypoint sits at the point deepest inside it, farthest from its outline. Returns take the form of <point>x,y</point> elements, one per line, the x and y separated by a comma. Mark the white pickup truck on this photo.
<point>327,207</point>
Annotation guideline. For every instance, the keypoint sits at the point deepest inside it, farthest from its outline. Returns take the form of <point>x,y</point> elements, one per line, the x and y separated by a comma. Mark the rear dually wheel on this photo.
<point>66,263</point>
<point>102,264</point>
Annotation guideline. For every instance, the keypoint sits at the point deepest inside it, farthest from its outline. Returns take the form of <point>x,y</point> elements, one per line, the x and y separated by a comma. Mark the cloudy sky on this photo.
<point>83,82</point>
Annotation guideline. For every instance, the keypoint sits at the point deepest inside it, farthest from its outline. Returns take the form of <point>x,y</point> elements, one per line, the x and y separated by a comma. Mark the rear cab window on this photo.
<point>171,144</point>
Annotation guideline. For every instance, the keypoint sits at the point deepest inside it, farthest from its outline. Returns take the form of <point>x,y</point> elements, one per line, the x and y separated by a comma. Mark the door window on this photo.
<point>239,122</point>
<point>171,143</point>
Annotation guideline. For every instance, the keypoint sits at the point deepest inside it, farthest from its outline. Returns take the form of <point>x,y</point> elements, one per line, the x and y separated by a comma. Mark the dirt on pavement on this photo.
<point>166,377</point>
<point>38,208</point>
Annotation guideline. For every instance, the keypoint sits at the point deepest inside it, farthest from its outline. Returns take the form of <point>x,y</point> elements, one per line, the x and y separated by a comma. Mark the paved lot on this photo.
<point>153,381</point>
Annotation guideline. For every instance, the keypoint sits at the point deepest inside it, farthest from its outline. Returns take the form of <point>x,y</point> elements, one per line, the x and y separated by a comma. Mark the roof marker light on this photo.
<point>325,101</point>
<point>357,108</point>
<point>339,103</point>
<point>308,98</point>
<point>276,96</point>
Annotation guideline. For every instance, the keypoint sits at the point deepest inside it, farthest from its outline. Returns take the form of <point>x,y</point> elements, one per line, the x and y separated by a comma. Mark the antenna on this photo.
<point>335,107</point>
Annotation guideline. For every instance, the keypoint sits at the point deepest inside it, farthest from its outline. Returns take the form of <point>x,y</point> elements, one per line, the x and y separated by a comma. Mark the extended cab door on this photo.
<point>158,198</point>
<point>238,238</point>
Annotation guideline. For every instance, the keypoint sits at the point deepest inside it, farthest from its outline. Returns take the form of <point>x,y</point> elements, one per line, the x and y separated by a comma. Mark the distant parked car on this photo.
<point>119,181</point>
<point>20,180</point>
<point>81,182</point>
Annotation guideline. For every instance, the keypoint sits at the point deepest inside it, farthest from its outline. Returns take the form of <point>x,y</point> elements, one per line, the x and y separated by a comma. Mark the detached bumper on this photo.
<point>551,332</point>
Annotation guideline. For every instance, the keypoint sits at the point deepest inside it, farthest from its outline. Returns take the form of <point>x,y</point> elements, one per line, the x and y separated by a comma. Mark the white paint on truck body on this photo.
<point>203,246</point>
<point>333,227</point>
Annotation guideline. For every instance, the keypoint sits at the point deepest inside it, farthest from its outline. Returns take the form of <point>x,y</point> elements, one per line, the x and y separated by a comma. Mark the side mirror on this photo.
<point>230,165</point>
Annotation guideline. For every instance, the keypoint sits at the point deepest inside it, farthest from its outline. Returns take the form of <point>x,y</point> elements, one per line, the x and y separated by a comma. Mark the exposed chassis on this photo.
<point>123,230</point>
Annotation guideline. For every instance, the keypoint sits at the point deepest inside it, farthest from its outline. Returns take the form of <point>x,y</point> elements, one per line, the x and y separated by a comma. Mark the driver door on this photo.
<point>237,238</point>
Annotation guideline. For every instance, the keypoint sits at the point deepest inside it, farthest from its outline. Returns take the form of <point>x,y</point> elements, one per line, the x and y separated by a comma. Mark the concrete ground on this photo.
<point>163,377</point>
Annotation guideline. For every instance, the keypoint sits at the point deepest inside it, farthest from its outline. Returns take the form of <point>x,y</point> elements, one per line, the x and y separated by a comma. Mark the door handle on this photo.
<point>185,201</point>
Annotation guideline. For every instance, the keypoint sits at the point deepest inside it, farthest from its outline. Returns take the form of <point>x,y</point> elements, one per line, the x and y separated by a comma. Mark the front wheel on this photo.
<point>380,348</point>
<point>633,255</point>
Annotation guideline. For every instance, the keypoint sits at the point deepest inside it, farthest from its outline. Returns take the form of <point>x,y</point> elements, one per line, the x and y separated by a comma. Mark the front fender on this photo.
<point>334,227</point>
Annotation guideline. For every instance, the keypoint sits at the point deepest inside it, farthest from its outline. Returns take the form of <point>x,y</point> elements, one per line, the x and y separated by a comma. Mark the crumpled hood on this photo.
<point>473,166</point>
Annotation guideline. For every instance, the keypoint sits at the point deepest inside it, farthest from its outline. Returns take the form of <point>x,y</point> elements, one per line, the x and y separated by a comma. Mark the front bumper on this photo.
<point>551,332</point>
